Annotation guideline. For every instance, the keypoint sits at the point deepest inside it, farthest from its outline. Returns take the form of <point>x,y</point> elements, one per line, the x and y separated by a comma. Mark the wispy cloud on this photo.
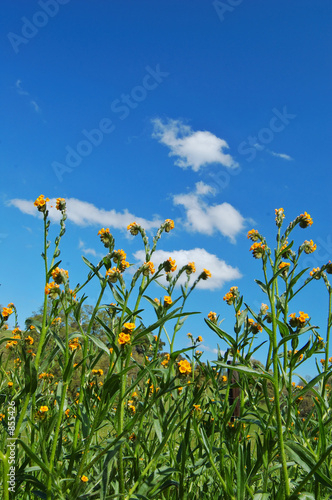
<point>208,219</point>
<point>221,272</point>
<point>33,103</point>
<point>193,149</point>
<point>280,155</point>
<point>83,213</point>
<point>88,251</point>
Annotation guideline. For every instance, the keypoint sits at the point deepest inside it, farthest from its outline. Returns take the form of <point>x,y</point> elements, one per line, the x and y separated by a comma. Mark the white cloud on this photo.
<point>221,272</point>
<point>205,219</point>
<point>281,155</point>
<point>193,149</point>
<point>88,251</point>
<point>83,213</point>
<point>21,91</point>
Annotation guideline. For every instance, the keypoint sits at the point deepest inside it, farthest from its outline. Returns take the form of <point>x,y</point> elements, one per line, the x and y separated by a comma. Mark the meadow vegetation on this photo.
<point>97,404</point>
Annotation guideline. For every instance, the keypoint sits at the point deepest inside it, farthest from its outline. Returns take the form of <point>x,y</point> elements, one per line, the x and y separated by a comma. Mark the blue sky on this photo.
<point>210,113</point>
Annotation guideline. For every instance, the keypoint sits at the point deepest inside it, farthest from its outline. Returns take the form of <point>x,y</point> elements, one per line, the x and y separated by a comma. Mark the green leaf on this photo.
<point>33,456</point>
<point>262,286</point>
<point>99,343</point>
<point>244,369</point>
<point>221,333</point>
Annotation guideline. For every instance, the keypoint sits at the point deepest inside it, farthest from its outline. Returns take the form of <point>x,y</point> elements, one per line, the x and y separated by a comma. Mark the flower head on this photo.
<point>59,275</point>
<point>280,215</point>
<point>113,274</point>
<point>40,203</point>
<point>74,344</point>
<point>184,367</point>
<point>253,235</point>
<point>315,273</point>
<point>170,265</point>
<point>167,300</point>
<point>212,316</point>
<point>60,204</point>
<point>305,220</point>
<point>205,274</point>
<point>134,228</point>
<point>169,224</point>
<point>298,321</point>
<point>128,328</point>
<point>232,295</point>
<point>148,268</point>
<point>309,247</point>
<point>258,250</point>
<point>84,479</point>
<point>190,268</point>
<point>124,338</point>
<point>6,311</point>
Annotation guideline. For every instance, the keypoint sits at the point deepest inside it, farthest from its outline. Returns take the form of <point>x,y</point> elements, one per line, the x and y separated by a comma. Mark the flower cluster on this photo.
<point>74,344</point>
<point>52,289</point>
<point>166,359</point>
<point>184,367</point>
<point>254,327</point>
<point>6,312</point>
<point>60,204</point>
<point>125,334</point>
<point>170,265</point>
<point>298,321</point>
<point>231,296</point>
<point>98,373</point>
<point>40,203</point>
<point>309,247</point>
<point>148,268</point>
<point>258,250</point>
<point>169,225</point>
<point>134,228</point>
<point>46,376</point>
<point>167,301</point>
<point>305,220</point>
<point>280,215</point>
<point>253,235</point>
<point>60,276</point>
<point>113,274</point>
<point>190,269</point>
<point>315,273</point>
<point>105,237</point>
<point>205,274</point>
<point>212,316</point>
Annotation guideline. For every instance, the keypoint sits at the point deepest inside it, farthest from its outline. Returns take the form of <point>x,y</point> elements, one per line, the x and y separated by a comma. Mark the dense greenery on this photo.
<point>102,411</point>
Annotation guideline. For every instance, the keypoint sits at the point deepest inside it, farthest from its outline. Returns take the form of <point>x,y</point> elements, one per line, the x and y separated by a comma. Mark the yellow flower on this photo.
<point>60,204</point>
<point>132,408</point>
<point>84,479</point>
<point>253,235</point>
<point>305,220</point>
<point>280,215</point>
<point>205,274</point>
<point>105,237</point>
<point>199,339</point>
<point>6,311</point>
<point>309,247</point>
<point>40,203</point>
<point>184,367</point>
<point>128,328</point>
<point>258,250</point>
<point>231,295</point>
<point>167,300</point>
<point>224,378</point>
<point>190,268</point>
<point>133,228</point>
<point>212,316</point>
<point>52,289</point>
<point>43,409</point>
<point>10,384</point>
<point>169,224</point>
<point>113,274</point>
<point>166,359</point>
<point>197,407</point>
<point>315,273</point>
<point>170,265</point>
<point>124,338</point>
<point>298,321</point>
<point>74,344</point>
<point>148,268</point>
<point>59,275</point>
<point>29,340</point>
